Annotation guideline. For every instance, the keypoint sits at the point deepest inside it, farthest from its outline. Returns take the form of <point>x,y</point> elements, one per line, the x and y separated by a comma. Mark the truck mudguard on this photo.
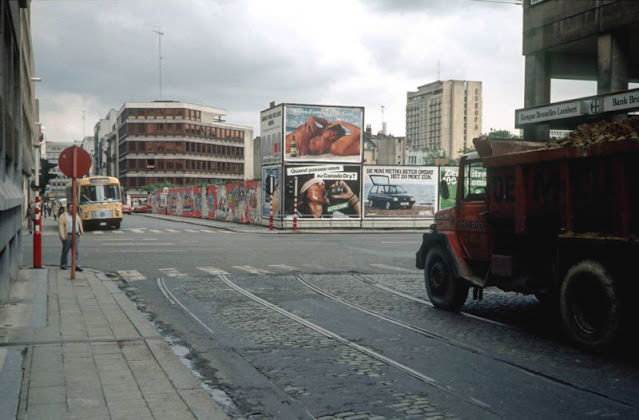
<point>449,243</point>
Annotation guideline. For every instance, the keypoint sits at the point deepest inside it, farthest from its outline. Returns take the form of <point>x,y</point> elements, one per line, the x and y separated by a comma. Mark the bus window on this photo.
<point>88,194</point>
<point>111,192</point>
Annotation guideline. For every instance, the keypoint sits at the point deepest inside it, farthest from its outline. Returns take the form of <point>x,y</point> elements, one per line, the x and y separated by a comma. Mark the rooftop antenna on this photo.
<point>160,34</point>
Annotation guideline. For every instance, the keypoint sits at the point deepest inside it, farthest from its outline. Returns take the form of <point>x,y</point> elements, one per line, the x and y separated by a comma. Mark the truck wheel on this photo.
<point>444,290</point>
<point>589,304</point>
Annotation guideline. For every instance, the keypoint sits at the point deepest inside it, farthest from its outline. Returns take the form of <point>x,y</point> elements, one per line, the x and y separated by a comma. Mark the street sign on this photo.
<point>74,162</point>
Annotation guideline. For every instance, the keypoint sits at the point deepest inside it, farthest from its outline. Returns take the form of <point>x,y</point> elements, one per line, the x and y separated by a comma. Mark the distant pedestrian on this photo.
<point>49,208</point>
<point>65,230</point>
<point>30,217</point>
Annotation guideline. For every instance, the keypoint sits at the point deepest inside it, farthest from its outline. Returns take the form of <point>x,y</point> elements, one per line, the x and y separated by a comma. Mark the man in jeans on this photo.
<point>65,230</point>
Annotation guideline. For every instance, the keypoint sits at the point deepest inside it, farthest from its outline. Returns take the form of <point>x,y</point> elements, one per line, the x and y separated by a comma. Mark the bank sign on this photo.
<point>593,105</point>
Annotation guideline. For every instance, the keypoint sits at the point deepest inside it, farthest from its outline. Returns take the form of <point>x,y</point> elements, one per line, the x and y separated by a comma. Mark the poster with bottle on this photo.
<point>318,133</point>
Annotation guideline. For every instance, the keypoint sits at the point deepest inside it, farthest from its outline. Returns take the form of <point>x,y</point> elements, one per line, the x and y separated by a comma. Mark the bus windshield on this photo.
<point>99,193</point>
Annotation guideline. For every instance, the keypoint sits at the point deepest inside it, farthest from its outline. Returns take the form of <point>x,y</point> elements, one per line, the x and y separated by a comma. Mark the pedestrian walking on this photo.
<point>30,217</point>
<point>65,231</point>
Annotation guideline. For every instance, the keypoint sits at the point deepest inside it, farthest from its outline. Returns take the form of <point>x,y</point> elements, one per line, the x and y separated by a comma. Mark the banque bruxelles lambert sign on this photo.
<point>591,105</point>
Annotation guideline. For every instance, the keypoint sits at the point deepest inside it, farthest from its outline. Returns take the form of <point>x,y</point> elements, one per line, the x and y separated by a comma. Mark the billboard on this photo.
<point>273,200</point>
<point>323,191</point>
<point>271,130</point>
<point>399,191</point>
<point>317,133</point>
<point>447,186</point>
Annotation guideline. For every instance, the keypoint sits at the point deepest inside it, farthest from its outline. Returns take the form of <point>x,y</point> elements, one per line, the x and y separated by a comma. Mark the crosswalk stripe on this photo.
<point>97,232</point>
<point>135,230</point>
<point>171,272</point>
<point>131,275</point>
<point>172,230</point>
<point>210,231</point>
<point>118,232</point>
<point>390,267</point>
<point>155,230</point>
<point>284,267</point>
<point>212,270</point>
<point>251,269</point>
<point>191,230</point>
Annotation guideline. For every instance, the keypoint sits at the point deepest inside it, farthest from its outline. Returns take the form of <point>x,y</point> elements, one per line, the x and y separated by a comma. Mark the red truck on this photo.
<point>561,223</point>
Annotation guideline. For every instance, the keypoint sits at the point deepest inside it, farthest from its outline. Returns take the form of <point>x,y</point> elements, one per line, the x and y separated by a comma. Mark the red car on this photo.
<point>126,209</point>
<point>142,208</point>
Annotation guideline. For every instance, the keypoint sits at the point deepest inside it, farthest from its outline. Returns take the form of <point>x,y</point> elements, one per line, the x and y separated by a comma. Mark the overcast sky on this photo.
<point>239,55</point>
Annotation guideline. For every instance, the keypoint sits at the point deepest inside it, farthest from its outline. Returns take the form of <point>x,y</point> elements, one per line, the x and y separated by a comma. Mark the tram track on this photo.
<point>449,341</point>
<point>389,361</point>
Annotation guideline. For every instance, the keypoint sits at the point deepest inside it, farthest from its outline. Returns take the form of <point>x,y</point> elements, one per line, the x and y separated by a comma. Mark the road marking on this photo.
<point>131,275</point>
<point>191,230</point>
<point>390,267</point>
<point>251,269</point>
<point>118,232</point>
<point>210,231</point>
<point>136,230</point>
<point>171,272</point>
<point>284,267</point>
<point>212,270</point>
<point>155,230</point>
<point>172,230</point>
<point>97,232</point>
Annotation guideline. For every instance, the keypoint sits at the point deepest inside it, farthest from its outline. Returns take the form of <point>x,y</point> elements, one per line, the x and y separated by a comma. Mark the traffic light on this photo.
<point>269,184</point>
<point>290,186</point>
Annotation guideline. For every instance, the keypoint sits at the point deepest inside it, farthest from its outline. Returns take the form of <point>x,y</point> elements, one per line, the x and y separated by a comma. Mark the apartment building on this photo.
<point>177,143</point>
<point>444,115</point>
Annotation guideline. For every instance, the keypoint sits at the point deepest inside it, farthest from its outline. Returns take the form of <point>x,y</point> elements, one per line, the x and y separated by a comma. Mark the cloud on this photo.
<point>240,55</point>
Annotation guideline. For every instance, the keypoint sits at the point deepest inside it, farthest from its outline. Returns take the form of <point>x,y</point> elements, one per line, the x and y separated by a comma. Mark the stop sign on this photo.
<point>74,162</point>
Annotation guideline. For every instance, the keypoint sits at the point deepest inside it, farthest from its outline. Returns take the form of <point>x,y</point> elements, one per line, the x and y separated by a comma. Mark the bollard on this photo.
<point>37,235</point>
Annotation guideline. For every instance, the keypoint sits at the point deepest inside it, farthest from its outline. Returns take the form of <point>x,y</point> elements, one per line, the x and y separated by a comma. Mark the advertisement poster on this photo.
<point>316,133</point>
<point>271,135</point>
<point>274,199</point>
<point>399,191</point>
<point>447,186</point>
<point>323,191</point>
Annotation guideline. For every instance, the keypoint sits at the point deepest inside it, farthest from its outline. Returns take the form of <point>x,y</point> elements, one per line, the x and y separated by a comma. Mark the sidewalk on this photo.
<point>80,349</point>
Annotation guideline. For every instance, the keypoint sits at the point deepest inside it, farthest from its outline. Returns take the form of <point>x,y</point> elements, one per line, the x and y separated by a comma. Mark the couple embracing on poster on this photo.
<point>318,137</point>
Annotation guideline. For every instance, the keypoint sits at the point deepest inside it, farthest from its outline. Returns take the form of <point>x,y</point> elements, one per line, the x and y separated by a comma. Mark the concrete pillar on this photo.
<point>612,63</point>
<point>537,91</point>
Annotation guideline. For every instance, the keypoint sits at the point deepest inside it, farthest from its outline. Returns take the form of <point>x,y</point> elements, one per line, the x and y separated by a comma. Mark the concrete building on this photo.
<point>101,133</point>
<point>178,143</point>
<point>444,115</point>
<point>19,134</point>
<point>57,185</point>
<point>578,40</point>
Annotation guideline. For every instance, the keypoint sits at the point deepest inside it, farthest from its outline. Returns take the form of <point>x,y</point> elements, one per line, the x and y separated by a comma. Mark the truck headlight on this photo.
<point>394,198</point>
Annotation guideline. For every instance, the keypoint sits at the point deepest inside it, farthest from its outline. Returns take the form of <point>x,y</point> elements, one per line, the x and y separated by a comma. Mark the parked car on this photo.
<point>126,209</point>
<point>142,208</point>
<point>388,196</point>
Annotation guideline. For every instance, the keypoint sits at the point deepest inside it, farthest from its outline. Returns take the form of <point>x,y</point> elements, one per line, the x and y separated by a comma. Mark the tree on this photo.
<point>501,134</point>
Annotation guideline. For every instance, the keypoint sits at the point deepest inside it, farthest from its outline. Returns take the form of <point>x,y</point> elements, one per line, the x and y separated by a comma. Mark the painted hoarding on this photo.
<point>330,193</point>
<point>399,191</point>
<point>271,135</point>
<point>317,133</point>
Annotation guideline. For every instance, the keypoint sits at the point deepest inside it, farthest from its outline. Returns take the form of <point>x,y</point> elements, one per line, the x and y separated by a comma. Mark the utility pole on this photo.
<point>160,34</point>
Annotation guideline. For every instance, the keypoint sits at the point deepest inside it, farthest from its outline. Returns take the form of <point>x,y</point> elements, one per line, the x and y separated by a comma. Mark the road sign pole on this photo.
<point>74,201</point>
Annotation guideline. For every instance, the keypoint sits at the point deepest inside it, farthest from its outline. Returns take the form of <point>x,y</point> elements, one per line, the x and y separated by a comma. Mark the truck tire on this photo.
<point>444,290</point>
<point>590,307</point>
